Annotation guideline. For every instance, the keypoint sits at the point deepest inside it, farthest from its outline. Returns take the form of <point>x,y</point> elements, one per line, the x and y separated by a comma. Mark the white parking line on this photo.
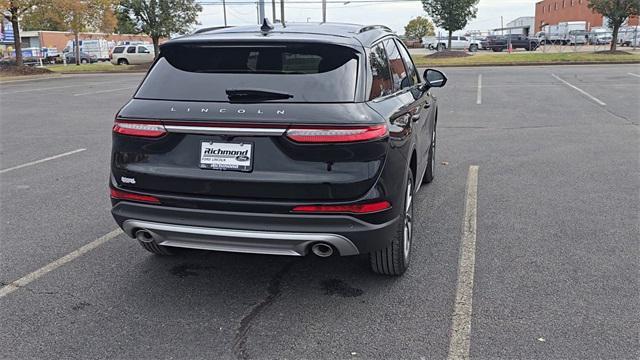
<point>479,100</point>
<point>462,310</point>
<point>636,75</point>
<point>25,280</point>
<point>41,160</point>
<point>598,101</point>
<point>103,91</point>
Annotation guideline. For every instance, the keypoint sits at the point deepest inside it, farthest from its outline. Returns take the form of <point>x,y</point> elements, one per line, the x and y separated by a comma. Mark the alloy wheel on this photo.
<point>408,221</point>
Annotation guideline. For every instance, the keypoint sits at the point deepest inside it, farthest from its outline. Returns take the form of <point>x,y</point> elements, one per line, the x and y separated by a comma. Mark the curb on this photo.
<point>103,72</point>
<point>536,64</point>
<point>19,78</point>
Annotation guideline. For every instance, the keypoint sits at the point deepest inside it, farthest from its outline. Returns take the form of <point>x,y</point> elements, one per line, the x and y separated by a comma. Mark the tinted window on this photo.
<point>408,63</point>
<point>382,84</point>
<point>131,50</point>
<point>118,50</point>
<point>463,38</point>
<point>142,50</point>
<point>309,72</point>
<point>398,72</point>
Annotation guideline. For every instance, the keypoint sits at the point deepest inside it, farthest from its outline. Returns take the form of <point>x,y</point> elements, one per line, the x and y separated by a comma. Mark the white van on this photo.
<point>98,48</point>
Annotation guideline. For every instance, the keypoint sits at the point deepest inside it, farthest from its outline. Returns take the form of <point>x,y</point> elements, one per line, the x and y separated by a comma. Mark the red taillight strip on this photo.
<point>305,134</point>
<point>139,128</point>
<point>123,195</point>
<point>348,209</point>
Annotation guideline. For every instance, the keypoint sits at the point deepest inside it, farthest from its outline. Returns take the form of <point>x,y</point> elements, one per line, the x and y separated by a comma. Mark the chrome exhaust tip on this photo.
<point>322,250</point>
<point>144,236</point>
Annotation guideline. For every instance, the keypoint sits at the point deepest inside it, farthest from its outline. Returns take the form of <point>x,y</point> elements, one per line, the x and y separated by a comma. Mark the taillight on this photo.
<point>349,209</point>
<point>336,134</point>
<point>139,128</point>
<point>123,195</point>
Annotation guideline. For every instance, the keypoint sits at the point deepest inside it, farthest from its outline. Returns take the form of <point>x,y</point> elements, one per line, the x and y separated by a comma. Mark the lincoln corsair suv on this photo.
<point>282,140</point>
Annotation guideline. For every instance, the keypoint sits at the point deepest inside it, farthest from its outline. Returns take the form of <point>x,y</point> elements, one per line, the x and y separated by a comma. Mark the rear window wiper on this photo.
<point>249,95</point>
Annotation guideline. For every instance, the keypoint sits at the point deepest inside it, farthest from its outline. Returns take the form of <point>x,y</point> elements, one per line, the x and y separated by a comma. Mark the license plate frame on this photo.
<point>240,157</point>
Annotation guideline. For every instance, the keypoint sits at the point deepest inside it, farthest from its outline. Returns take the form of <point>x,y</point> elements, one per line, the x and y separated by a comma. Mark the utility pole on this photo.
<point>224,12</point>
<point>501,25</point>
<point>324,11</point>
<point>261,13</point>
<point>282,13</point>
<point>273,6</point>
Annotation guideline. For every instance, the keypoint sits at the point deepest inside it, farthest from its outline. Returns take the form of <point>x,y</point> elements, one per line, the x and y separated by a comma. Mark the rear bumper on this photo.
<point>259,233</point>
<point>255,242</point>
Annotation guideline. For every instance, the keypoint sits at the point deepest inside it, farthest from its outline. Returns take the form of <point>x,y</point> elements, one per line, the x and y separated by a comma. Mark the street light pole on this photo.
<point>282,13</point>
<point>224,12</point>
<point>324,11</point>
<point>273,7</point>
<point>260,11</point>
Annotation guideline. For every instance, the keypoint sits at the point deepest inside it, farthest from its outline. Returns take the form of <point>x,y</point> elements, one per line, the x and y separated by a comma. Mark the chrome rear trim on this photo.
<point>213,130</point>
<point>244,241</point>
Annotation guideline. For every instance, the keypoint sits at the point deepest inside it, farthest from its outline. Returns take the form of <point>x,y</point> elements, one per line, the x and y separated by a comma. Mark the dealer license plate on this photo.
<point>226,156</point>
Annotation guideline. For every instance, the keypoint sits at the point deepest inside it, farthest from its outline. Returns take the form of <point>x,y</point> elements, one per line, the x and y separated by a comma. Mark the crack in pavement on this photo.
<point>273,291</point>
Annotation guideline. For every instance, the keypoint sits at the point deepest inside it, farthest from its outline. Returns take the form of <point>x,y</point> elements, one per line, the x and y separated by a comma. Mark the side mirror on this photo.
<point>434,78</point>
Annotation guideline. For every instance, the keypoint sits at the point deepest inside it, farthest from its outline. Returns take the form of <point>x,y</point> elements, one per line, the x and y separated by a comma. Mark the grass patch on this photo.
<point>527,58</point>
<point>95,67</point>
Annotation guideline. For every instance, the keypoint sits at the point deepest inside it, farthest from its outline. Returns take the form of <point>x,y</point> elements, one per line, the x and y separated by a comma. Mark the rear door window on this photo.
<point>382,84</point>
<point>131,50</point>
<point>118,50</point>
<point>204,72</point>
<point>143,50</point>
<point>396,65</point>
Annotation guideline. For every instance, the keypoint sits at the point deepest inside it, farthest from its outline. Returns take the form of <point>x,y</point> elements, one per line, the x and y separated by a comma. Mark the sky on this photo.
<point>395,15</point>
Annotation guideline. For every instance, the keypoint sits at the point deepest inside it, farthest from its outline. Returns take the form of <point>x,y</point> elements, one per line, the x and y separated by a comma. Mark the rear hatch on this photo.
<point>259,121</point>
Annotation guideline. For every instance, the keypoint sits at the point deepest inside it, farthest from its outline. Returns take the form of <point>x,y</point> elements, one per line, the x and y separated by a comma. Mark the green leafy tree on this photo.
<point>162,18</point>
<point>617,11</point>
<point>418,28</point>
<point>14,10</point>
<point>83,15</point>
<point>451,15</point>
<point>42,18</point>
<point>126,24</point>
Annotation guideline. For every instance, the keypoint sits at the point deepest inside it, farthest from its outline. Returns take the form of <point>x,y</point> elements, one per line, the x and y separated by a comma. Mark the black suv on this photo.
<point>277,140</point>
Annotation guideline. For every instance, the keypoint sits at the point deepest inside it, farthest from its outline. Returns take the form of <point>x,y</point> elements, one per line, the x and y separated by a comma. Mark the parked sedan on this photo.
<point>632,41</point>
<point>85,58</point>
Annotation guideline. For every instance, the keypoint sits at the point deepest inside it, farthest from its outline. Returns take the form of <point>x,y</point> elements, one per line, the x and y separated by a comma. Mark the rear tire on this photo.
<point>473,48</point>
<point>394,259</point>
<point>123,62</point>
<point>431,161</point>
<point>154,248</point>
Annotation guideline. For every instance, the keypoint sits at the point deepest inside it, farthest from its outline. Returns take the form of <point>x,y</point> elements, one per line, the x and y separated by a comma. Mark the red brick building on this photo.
<point>552,12</point>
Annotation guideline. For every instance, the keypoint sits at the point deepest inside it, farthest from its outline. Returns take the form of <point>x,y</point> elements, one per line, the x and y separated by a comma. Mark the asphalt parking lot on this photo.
<point>556,238</point>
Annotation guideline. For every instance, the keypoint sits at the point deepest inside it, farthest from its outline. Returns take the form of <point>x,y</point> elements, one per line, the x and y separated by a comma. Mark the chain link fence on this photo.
<point>594,41</point>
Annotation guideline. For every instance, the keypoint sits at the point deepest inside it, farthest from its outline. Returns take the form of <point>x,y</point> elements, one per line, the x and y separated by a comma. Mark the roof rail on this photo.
<point>374,27</point>
<point>199,31</point>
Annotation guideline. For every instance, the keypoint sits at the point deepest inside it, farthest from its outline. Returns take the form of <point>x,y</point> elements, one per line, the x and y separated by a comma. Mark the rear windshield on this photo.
<point>204,72</point>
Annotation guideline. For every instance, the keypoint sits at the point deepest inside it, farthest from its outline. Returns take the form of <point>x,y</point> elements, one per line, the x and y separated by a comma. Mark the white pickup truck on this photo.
<point>457,43</point>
